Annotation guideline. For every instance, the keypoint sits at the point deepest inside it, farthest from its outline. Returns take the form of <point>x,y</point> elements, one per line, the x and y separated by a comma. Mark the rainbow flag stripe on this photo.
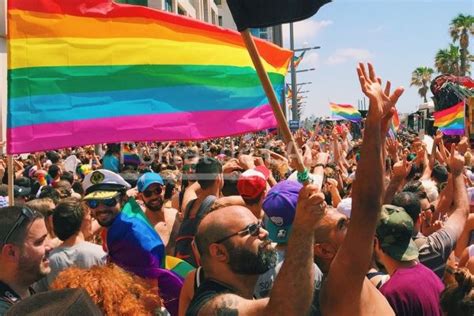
<point>84,72</point>
<point>451,120</point>
<point>345,112</point>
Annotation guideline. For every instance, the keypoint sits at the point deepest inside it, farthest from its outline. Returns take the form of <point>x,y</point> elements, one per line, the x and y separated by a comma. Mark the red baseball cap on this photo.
<point>253,182</point>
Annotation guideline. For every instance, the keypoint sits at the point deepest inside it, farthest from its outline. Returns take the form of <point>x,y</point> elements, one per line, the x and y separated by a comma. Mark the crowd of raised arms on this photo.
<point>224,227</point>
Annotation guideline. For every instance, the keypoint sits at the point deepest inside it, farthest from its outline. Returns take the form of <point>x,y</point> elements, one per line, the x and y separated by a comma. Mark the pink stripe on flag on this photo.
<point>161,127</point>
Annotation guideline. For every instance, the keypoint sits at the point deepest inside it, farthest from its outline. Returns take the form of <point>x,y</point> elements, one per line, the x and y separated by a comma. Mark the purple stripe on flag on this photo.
<point>207,124</point>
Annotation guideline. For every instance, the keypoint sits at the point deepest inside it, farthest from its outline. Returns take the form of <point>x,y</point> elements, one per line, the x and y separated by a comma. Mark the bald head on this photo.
<point>219,224</point>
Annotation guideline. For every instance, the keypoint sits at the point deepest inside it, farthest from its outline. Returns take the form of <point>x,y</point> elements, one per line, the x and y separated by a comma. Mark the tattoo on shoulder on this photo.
<point>227,306</point>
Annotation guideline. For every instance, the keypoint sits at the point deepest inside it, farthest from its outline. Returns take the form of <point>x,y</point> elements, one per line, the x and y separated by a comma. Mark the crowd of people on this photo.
<point>381,225</point>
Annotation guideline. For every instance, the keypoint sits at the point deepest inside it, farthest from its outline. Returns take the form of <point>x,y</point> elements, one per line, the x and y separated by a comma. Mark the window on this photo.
<point>181,11</point>
<point>136,2</point>
<point>220,20</point>
<point>218,2</point>
<point>169,5</point>
<point>263,32</point>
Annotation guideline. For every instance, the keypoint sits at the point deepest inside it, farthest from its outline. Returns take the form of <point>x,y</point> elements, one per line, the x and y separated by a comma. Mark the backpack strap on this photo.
<point>205,206</point>
<point>188,208</point>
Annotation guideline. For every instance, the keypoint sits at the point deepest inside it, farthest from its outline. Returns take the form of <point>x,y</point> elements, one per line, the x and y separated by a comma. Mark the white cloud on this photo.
<point>347,54</point>
<point>306,30</point>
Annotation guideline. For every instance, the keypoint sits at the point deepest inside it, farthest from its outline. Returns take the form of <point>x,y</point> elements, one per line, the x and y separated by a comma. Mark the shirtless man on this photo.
<point>165,220</point>
<point>346,290</point>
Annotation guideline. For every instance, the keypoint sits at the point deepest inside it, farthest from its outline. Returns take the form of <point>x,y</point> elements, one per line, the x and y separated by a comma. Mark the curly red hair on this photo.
<point>113,290</point>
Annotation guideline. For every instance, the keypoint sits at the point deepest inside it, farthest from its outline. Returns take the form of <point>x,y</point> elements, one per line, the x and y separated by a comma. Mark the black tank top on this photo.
<point>205,292</point>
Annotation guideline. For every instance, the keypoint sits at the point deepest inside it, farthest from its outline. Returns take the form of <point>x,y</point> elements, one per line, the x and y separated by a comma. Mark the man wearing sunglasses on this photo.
<point>235,250</point>
<point>105,191</point>
<point>23,254</point>
<point>165,220</point>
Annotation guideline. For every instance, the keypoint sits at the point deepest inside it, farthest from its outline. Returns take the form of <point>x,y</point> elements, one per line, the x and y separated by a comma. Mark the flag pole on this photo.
<point>267,86</point>
<point>11,177</point>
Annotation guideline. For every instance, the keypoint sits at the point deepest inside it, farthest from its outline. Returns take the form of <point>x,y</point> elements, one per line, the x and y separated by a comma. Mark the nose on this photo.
<point>263,233</point>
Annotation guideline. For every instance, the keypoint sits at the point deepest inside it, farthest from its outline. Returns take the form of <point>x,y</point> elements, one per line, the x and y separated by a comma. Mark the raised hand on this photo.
<point>310,208</point>
<point>382,103</point>
<point>456,161</point>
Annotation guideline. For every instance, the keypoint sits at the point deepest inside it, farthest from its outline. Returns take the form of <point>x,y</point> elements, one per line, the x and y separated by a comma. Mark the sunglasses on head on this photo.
<point>148,192</point>
<point>25,214</point>
<point>93,204</point>
<point>251,229</point>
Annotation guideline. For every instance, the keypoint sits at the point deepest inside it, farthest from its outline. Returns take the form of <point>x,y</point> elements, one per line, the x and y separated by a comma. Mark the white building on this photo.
<point>204,10</point>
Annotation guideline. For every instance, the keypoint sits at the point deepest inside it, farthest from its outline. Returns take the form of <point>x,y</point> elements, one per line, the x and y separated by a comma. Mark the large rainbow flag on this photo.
<point>451,120</point>
<point>93,71</point>
<point>345,111</point>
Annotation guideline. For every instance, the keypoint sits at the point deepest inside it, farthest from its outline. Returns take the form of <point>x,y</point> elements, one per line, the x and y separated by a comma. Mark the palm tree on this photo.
<point>421,77</point>
<point>447,60</point>
<point>460,28</point>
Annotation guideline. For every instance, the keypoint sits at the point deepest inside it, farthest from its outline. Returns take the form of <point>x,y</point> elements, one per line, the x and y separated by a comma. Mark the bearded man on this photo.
<point>165,220</point>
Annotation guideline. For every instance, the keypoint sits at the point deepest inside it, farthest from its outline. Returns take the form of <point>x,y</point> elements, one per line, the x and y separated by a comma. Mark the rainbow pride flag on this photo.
<point>134,245</point>
<point>451,120</point>
<point>345,112</point>
<point>84,72</point>
<point>297,60</point>
<point>394,125</point>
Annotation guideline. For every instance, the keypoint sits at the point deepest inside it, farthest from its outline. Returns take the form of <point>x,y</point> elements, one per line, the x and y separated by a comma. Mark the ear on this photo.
<point>324,251</point>
<point>218,252</point>
<point>10,252</point>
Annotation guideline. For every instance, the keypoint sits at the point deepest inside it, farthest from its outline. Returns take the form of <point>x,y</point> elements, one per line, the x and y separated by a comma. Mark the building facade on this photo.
<point>204,10</point>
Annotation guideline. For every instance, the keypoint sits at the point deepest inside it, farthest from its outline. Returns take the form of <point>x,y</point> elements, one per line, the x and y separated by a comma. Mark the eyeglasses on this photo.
<point>252,229</point>
<point>25,214</point>
<point>148,193</point>
<point>93,204</point>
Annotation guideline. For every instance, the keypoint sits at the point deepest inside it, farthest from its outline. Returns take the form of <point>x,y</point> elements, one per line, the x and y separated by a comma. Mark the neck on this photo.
<point>155,217</point>
<point>74,240</point>
<point>243,285</point>
<point>12,280</point>
<point>214,190</point>
<point>392,265</point>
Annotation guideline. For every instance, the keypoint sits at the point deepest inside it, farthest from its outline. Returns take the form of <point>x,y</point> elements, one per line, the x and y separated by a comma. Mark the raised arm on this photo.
<point>456,221</point>
<point>352,261</point>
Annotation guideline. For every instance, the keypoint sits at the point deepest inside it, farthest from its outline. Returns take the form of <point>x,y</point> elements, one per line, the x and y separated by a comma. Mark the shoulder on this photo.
<point>231,304</point>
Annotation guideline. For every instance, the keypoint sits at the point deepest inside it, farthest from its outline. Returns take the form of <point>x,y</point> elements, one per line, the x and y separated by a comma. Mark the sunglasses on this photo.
<point>93,204</point>
<point>252,229</point>
<point>25,214</point>
<point>148,193</point>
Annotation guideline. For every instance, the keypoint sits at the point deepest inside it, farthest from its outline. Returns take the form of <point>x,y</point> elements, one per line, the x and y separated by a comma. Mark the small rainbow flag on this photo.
<point>297,60</point>
<point>130,157</point>
<point>451,120</point>
<point>94,71</point>
<point>345,112</point>
<point>394,125</point>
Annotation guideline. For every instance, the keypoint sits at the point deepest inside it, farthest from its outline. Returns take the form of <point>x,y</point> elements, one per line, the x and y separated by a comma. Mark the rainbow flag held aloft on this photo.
<point>86,72</point>
<point>345,112</point>
<point>130,157</point>
<point>451,120</point>
<point>297,60</point>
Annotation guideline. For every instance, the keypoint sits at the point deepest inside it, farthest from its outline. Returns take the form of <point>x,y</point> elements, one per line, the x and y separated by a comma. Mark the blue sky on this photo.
<point>396,35</point>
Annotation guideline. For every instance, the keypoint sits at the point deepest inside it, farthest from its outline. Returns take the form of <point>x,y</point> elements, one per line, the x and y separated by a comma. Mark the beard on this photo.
<point>244,261</point>
<point>154,205</point>
<point>33,271</point>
